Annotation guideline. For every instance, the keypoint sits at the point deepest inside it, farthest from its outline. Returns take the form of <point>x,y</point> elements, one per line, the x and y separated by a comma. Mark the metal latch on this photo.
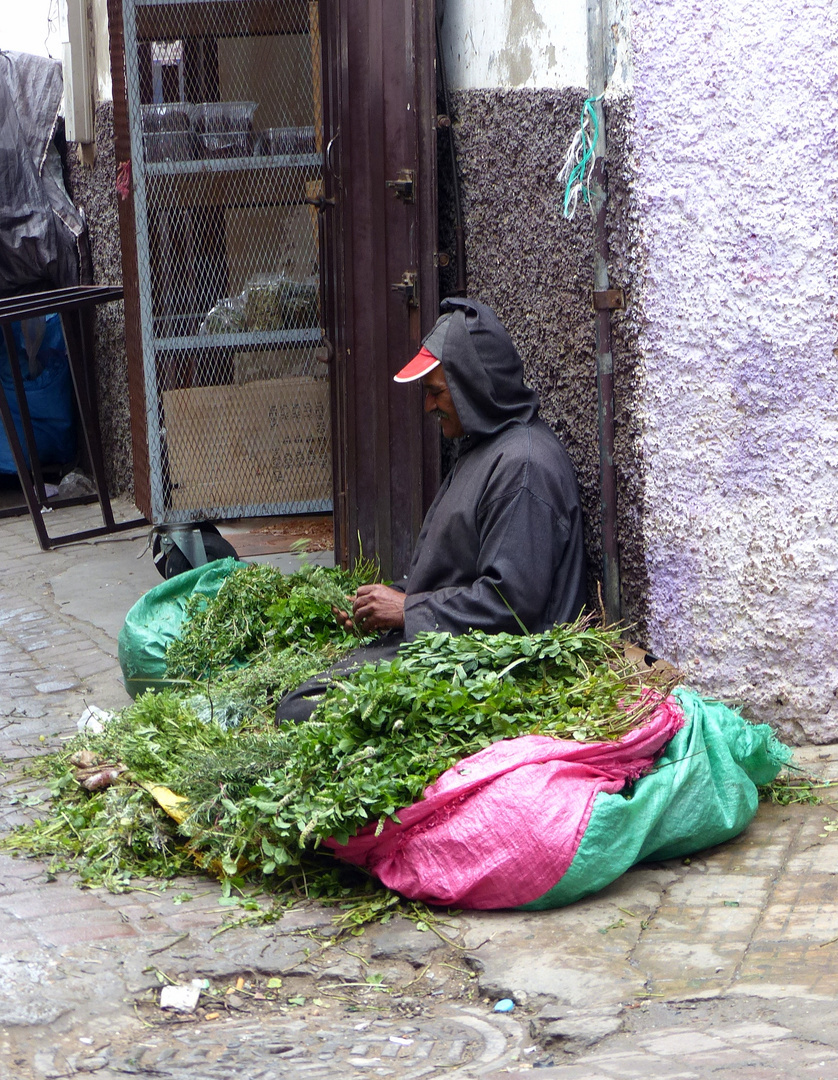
<point>608,300</point>
<point>408,287</point>
<point>404,185</point>
<point>320,201</point>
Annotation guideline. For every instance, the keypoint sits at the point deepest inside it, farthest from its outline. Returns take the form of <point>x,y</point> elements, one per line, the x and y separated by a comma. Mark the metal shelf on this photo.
<point>160,20</point>
<point>239,164</point>
<point>246,340</point>
<point>206,226</point>
<point>184,3</point>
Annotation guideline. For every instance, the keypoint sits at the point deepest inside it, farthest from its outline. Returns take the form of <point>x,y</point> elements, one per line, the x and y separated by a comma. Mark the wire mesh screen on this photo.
<point>224,106</point>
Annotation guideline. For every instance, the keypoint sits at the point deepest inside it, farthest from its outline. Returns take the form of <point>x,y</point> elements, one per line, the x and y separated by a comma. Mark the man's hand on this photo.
<point>374,607</point>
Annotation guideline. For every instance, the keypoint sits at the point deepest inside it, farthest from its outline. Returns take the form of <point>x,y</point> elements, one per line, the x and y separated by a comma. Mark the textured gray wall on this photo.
<point>92,189</point>
<point>535,269</point>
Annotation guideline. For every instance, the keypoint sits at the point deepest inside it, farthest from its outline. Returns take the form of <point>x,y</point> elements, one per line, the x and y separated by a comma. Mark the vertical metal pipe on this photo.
<point>602,324</point>
<point>459,233</point>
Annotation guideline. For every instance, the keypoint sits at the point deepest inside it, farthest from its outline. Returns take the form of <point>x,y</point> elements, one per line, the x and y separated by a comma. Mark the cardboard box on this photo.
<point>265,364</point>
<point>259,444</point>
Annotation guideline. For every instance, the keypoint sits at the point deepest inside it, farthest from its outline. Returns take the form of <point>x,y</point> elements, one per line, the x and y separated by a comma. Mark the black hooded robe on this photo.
<point>503,537</point>
<point>502,540</point>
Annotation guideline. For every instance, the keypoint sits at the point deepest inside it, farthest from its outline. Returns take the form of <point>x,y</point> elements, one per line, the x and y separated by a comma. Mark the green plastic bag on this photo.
<point>701,792</point>
<point>154,622</point>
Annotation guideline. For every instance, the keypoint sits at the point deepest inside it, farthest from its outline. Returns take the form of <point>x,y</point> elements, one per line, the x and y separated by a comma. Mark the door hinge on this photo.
<point>404,185</point>
<point>408,287</point>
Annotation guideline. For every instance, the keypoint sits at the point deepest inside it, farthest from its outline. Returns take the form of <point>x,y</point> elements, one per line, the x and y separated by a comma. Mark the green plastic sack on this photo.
<point>154,622</point>
<point>702,791</point>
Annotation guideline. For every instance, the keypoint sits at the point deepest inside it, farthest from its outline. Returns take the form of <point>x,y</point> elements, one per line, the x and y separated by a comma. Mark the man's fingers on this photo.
<point>344,619</point>
<point>362,606</point>
<point>378,607</point>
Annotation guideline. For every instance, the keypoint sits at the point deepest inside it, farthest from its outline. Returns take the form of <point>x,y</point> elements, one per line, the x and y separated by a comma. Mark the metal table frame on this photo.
<point>75,306</point>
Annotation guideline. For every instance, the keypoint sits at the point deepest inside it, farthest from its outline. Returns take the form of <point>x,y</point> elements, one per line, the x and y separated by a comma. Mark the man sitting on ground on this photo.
<point>501,546</point>
<point>502,541</point>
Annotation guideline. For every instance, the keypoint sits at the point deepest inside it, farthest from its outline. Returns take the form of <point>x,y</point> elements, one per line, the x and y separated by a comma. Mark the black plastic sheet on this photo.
<point>39,225</point>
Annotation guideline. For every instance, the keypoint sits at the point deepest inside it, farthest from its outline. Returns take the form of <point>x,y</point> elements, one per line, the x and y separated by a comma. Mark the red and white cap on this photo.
<point>429,355</point>
<point>423,362</point>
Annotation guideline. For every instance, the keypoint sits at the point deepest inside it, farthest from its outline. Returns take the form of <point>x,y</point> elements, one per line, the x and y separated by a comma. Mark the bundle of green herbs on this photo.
<point>259,612</point>
<point>382,735</point>
<point>260,798</point>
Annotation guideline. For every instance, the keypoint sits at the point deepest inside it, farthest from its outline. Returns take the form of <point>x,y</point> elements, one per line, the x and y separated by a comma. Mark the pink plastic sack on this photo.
<point>500,828</point>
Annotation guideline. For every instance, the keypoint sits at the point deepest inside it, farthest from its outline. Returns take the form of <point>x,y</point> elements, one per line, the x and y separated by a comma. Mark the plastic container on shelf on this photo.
<point>277,302</point>
<point>276,140</point>
<point>284,140</point>
<point>305,140</point>
<point>226,316</point>
<point>167,132</point>
<point>224,128</point>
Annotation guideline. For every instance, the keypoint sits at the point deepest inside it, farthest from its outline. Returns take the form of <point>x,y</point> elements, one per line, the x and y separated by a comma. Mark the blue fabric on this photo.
<point>49,397</point>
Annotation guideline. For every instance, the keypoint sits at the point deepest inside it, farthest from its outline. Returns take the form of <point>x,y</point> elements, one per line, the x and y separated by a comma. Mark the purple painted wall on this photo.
<point>734,164</point>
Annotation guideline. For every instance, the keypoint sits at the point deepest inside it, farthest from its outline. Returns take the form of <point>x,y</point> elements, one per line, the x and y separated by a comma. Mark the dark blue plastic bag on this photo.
<point>49,397</point>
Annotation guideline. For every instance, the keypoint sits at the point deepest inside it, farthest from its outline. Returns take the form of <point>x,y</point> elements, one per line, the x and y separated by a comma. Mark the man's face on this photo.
<point>438,403</point>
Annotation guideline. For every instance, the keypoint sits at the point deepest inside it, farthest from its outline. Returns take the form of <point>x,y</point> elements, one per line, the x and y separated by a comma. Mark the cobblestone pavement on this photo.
<point>724,965</point>
<point>722,1039</point>
<point>458,1044</point>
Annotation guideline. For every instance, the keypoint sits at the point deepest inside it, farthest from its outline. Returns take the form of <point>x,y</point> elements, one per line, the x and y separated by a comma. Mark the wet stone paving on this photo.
<point>722,966</point>
<point>341,1047</point>
<point>460,1043</point>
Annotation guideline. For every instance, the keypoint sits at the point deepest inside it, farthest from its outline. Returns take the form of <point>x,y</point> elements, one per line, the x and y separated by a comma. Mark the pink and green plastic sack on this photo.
<point>537,822</point>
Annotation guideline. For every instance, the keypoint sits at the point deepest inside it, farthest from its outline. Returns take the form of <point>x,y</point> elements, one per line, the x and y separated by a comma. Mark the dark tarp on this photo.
<point>39,226</point>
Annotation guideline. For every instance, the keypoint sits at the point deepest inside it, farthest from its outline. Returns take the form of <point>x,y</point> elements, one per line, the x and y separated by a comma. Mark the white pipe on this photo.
<point>75,46</point>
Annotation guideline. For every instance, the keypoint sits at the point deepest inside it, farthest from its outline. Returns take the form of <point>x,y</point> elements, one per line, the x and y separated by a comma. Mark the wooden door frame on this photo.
<point>379,83</point>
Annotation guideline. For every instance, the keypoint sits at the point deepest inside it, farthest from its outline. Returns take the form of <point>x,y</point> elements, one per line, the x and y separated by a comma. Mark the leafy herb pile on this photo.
<point>381,736</point>
<point>259,610</point>
<point>793,788</point>
<point>260,798</point>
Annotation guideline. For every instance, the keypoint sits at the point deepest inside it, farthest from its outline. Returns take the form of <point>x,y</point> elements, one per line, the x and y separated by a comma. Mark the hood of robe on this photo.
<point>482,368</point>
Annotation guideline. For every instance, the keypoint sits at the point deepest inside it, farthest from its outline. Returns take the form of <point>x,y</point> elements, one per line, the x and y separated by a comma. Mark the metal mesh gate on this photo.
<point>224,109</point>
